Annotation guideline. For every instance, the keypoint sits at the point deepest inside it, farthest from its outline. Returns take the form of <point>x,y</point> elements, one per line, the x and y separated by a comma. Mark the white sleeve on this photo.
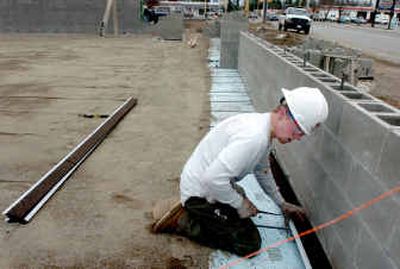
<point>264,176</point>
<point>231,162</point>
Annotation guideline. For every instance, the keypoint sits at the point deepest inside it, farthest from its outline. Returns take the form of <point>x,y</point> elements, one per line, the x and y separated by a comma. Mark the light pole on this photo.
<point>265,8</point>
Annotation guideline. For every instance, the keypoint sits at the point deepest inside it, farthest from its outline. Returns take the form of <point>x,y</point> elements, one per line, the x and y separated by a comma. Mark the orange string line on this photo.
<point>317,228</point>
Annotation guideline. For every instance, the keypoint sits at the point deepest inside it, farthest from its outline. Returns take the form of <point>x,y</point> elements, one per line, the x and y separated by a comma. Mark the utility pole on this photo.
<point>205,9</point>
<point>247,7</point>
<point>391,13</point>
<point>374,13</point>
<point>265,8</point>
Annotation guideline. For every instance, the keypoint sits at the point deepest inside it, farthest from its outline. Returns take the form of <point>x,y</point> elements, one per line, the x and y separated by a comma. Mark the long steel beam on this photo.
<point>26,206</point>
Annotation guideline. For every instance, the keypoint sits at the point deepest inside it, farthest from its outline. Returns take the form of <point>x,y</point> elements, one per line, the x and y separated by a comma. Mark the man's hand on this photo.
<point>247,209</point>
<point>291,211</point>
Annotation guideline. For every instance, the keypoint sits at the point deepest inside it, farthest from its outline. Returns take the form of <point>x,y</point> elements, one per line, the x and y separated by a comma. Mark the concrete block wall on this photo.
<point>64,16</point>
<point>231,25</point>
<point>351,159</point>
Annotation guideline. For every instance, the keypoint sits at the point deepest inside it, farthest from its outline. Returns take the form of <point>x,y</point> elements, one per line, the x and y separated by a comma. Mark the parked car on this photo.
<point>254,18</point>
<point>295,18</point>
<point>150,16</point>
<point>272,17</point>
<point>332,17</point>
<point>382,18</point>
<point>161,11</point>
<point>318,17</point>
<point>344,19</point>
<point>358,20</point>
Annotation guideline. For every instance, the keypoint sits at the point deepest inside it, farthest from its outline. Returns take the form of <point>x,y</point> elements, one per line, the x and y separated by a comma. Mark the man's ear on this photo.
<point>282,112</point>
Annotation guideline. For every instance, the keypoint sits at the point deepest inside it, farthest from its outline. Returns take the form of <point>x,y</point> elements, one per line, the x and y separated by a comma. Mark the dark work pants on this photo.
<point>219,226</point>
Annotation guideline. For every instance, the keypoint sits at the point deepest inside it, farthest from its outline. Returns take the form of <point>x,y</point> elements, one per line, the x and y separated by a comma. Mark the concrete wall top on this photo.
<point>351,159</point>
<point>231,25</point>
<point>64,16</point>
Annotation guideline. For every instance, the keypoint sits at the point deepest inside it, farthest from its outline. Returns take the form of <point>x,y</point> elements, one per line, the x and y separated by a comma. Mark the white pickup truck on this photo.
<point>295,18</point>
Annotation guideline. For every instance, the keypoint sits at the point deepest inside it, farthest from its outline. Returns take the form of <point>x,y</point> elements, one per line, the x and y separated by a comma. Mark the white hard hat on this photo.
<point>308,107</point>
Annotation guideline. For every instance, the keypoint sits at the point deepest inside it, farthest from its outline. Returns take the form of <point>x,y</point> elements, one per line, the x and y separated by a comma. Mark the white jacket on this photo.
<point>234,148</point>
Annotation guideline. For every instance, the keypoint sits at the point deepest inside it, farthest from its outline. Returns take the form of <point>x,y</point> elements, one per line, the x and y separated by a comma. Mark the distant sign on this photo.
<point>387,4</point>
<point>359,3</point>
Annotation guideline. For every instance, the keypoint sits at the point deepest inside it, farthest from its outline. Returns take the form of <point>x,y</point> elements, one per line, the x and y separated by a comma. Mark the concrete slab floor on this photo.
<point>100,217</point>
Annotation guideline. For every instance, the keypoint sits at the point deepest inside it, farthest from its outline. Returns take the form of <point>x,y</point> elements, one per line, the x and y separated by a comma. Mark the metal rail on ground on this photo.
<point>26,206</point>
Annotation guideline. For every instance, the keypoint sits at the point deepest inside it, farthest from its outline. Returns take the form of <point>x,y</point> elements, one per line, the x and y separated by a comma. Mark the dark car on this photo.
<point>272,17</point>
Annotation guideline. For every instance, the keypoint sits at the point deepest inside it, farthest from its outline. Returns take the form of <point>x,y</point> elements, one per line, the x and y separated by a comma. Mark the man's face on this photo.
<point>287,129</point>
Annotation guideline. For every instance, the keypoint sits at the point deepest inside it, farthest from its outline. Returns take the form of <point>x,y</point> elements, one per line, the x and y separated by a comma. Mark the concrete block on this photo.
<point>361,185</point>
<point>339,256</point>
<point>335,199</point>
<point>349,231</point>
<point>361,135</point>
<point>365,68</point>
<point>376,107</point>
<point>230,34</point>
<point>213,29</point>
<point>228,55</point>
<point>328,239</point>
<point>334,158</point>
<point>370,255</point>
<point>381,217</point>
<point>309,182</point>
<point>393,246</point>
<point>388,169</point>
<point>338,67</point>
<point>316,58</point>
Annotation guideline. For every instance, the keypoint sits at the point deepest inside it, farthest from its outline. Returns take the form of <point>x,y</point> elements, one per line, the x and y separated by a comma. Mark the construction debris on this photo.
<point>91,116</point>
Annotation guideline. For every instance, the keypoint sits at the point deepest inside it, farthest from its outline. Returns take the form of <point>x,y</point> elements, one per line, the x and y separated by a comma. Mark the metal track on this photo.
<point>25,207</point>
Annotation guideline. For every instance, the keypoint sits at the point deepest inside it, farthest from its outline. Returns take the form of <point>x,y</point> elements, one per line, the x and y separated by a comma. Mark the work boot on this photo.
<point>167,214</point>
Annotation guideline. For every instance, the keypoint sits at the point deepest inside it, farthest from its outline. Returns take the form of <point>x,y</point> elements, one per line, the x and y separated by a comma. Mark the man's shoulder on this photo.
<point>247,119</point>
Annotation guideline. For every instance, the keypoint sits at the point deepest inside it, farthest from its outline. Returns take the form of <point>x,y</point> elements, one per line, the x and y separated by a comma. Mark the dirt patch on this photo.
<point>270,33</point>
<point>127,201</point>
<point>99,218</point>
<point>174,263</point>
<point>16,99</point>
<point>385,85</point>
<point>13,65</point>
<point>195,26</point>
